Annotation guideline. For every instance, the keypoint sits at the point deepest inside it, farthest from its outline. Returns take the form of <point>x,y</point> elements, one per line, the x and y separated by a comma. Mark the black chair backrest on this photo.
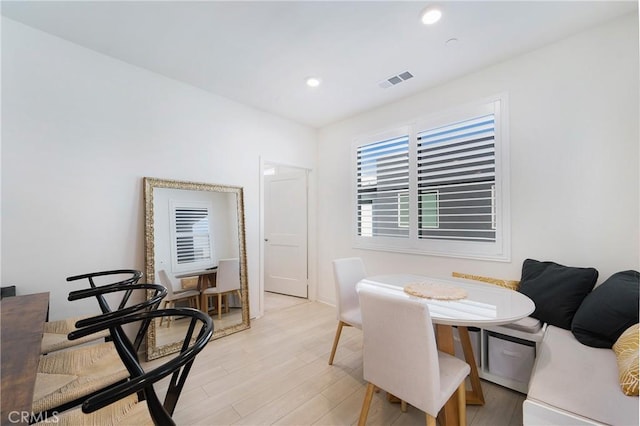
<point>133,279</point>
<point>152,295</point>
<point>142,382</point>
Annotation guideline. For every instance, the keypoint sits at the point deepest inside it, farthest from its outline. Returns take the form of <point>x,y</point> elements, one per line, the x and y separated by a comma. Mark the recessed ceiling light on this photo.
<point>431,15</point>
<point>313,82</point>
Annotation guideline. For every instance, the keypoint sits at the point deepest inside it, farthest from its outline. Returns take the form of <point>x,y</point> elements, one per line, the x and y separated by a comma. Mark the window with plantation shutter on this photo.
<point>437,187</point>
<point>382,181</point>
<point>458,162</point>
<point>191,234</point>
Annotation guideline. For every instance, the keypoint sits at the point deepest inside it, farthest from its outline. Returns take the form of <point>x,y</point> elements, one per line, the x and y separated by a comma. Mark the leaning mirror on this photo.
<point>195,246</point>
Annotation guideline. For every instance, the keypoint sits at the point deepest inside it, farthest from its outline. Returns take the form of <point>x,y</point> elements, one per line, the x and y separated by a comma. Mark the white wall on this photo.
<point>80,130</point>
<point>574,159</point>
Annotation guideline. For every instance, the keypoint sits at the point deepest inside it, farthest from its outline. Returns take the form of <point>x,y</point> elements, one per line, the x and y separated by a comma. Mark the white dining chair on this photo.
<point>400,355</point>
<point>191,296</point>
<point>346,273</point>
<point>227,283</point>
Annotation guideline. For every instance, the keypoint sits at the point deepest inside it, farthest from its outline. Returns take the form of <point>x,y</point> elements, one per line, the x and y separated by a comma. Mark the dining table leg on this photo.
<point>475,396</point>
<point>444,339</point>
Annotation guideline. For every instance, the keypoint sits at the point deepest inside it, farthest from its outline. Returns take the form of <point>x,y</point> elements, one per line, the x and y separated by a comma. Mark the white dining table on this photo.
<point>484,305</point>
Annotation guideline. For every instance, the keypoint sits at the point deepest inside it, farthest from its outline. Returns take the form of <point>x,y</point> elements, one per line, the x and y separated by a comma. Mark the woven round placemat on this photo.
<point>435,291</point>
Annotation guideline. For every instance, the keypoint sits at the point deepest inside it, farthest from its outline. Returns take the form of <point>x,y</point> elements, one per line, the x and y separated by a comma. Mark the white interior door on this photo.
<point>285,218</point>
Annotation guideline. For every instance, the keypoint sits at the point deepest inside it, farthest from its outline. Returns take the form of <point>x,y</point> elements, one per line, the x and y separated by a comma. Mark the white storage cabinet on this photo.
<point>508,356</point>
<point>504,355</point>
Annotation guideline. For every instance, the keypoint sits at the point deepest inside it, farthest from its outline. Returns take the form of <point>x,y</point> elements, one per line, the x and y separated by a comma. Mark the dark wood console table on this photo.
<point>22,326</point>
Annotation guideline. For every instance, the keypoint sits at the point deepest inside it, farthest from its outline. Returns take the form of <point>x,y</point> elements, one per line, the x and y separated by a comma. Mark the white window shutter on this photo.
<point>192,236</point>
<point>382,180</point>
<point>458,161</point>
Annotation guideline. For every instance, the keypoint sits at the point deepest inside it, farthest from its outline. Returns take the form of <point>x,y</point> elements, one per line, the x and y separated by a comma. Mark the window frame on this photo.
<point>498,250</point>
<point>437,208</point>
<point>402,223</point>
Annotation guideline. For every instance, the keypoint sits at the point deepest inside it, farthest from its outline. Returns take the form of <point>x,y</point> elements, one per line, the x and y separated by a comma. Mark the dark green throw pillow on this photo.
<point>556,290</point>
<point>608,310</point>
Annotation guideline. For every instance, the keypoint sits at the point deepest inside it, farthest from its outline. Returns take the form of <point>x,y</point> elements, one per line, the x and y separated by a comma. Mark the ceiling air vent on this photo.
<point>396,79</point>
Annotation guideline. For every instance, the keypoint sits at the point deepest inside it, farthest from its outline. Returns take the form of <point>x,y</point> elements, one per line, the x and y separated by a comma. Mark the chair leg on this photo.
<point>403,406</point>
<point>170,318</point>
<point>335,341</point>
<point>219,306</point>
<point>164,306</point>
<point>431,421</point>
<point>368,396</point>
<point>225,300</point>
<point>462,404</point>
<point>210,304</point>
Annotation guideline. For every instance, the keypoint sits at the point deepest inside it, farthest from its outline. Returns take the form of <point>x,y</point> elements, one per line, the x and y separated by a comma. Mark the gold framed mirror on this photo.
<point>195,241</point>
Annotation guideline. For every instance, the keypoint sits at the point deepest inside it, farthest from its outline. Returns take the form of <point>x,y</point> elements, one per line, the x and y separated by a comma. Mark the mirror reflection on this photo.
<point>195,247</point>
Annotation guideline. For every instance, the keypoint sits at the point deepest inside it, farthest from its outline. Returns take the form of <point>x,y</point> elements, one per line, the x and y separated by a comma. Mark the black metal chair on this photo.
<point>66,378</point>
<point>55,332</point>
<point>136,401</point>
<point>135,277</point>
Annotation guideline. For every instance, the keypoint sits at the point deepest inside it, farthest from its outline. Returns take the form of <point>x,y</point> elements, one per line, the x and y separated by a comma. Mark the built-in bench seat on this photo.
<point>575,384</point>
<point>581,349</point>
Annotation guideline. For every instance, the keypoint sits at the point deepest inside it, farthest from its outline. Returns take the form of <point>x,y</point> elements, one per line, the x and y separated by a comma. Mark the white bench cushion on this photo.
<point>580,379</point>
<point>526,324</point>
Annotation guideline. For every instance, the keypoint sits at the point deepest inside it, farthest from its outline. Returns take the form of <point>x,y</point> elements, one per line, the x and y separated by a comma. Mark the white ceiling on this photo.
<point>260,53</point>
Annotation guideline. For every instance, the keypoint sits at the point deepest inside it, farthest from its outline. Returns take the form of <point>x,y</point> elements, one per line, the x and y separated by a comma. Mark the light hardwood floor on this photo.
<point>277,373</point>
